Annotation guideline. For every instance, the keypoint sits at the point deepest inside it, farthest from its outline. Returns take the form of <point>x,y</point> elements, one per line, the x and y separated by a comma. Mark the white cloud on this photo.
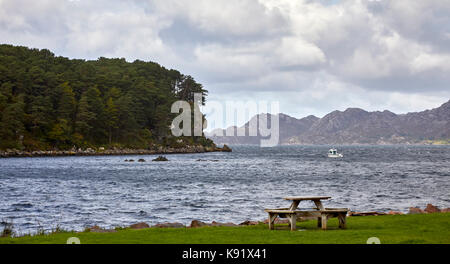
<point>305,53</point>
<point>431,62</point>
<point>295,52</point>
<point>231,64</point>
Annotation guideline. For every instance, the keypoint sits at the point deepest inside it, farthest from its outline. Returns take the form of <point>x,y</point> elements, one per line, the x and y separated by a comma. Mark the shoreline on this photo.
<point>344,145</point>
<point>194,223</point>
<point>402,229</point>
<point>110,152</point>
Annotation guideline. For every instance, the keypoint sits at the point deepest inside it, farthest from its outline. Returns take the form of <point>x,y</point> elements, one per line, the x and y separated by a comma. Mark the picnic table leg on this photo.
<point>342,220</point>
<point>294,205</point>
<point>293,221</point>
<point>272,218</point>
<point>319,205</point>
<point>324,221</point>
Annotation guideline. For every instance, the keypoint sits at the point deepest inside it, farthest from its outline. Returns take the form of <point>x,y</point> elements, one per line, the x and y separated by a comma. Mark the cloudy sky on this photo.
<point>311,56</point>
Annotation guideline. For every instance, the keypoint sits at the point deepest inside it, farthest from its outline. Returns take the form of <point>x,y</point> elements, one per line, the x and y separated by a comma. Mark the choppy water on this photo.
<point>76,192</point>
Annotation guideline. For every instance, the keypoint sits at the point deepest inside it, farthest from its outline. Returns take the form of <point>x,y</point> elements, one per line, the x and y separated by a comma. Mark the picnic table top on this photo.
<point>312,198</point>
<point>325,210</point>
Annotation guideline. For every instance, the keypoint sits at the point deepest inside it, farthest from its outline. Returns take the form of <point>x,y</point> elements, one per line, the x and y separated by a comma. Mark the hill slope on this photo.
<point>357,126</point>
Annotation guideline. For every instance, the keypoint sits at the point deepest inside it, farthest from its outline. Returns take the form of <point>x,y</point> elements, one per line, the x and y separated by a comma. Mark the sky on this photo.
<point>312,57</point>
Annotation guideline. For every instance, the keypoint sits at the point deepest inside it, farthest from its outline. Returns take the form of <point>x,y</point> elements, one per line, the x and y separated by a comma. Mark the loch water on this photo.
<point>76,192</point>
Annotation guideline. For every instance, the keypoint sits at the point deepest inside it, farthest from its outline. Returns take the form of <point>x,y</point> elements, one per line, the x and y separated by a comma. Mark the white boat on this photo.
<point>332,153</point>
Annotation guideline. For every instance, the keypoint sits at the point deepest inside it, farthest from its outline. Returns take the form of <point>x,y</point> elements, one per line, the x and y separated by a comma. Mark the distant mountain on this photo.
<point>353,126</point>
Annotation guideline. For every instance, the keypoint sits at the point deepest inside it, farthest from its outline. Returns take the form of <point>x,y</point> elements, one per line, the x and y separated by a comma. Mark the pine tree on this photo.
<point>112,117</point>
<point>66,104</point>
<point>60,133</point>
<point>91,119</point>
<point>11,125</point>
<point>40,115</point>
<point>84,117</point>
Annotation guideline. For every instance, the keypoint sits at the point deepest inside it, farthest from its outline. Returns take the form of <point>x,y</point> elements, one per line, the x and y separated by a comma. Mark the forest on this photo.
<point>52,102</point>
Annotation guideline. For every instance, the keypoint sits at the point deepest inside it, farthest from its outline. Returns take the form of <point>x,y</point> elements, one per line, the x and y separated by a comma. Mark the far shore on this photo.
<point>14,153</point>
<point>349,144</point>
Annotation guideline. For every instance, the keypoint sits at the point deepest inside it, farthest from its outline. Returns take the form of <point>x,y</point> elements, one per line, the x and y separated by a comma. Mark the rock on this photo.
<point>170,225</point>
<point>101,149</point>
<point>277,221</point>
<point>432,209</point>
<point>415,210</point>
<point>197,223</point>
<point>89,150</point>
<point>142,213</point>
<point>97,229</point>
<point>225,148</point>
<point>161,158</point>
<point>365,213</point>
<point>394,213</point>
<point>141,225</point>
<point>446,210</point>
<point>209,149</point>
<point>214,223</point>
<point>141,160</point>
<point>249,223</point>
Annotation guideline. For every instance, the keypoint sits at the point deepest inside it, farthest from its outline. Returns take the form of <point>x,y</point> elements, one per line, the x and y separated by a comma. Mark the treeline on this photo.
<point>49,102</point>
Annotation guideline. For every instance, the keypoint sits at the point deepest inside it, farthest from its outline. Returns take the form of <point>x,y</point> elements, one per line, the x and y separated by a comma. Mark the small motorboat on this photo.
<point>332,153</point>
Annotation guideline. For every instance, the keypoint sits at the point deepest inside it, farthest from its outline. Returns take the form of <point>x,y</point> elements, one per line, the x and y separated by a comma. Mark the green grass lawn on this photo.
<point>403,229</point>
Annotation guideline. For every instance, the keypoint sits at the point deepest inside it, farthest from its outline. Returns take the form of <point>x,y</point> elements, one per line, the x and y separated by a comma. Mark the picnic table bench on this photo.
<point>320,212</point>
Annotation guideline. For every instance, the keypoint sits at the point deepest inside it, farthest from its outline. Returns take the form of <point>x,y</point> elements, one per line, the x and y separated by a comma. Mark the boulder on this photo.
<point>226,148</point>
<point>141,225</point>
<point>249,223</point>
<point>141,160</point>
<point>415,210</point>
<point>365,213</point>
<point>277,221</point>
<point>161,158</point>
<point>394,213</point>
<point>170,225</point>
<point>97,229</point>
<point>432,209</point>
<point>214,223</point>
<point>90,150</point>
<point>209,149</point>
<point>197,223</point>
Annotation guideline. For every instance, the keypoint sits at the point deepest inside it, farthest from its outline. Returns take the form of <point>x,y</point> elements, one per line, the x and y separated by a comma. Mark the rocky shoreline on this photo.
<point>14,153</point>
<point>430,209</point>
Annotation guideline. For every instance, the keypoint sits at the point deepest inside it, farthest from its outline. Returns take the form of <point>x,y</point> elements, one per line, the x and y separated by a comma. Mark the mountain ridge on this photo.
<point>353,126</point>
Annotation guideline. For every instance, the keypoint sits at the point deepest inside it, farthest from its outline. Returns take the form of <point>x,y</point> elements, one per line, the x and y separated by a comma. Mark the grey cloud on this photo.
<point>426,22</point>
<point>310,51</point>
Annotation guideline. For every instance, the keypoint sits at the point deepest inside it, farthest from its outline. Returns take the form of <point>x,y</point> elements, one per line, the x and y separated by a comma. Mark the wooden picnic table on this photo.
<point>322,213</point>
